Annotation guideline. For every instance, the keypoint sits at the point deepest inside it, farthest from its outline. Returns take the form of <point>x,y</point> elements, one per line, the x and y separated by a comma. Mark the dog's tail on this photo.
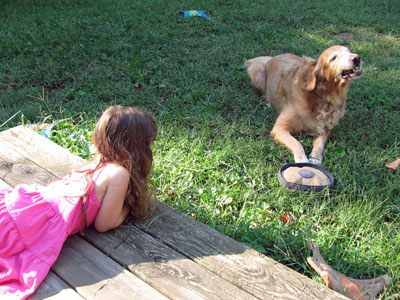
<point>257,71</point>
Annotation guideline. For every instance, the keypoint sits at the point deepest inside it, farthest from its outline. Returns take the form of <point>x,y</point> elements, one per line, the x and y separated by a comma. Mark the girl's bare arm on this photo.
<point>112,211</point>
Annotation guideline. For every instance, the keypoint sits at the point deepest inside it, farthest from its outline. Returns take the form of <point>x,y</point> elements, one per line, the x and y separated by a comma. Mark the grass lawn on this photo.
<point>66,61</point>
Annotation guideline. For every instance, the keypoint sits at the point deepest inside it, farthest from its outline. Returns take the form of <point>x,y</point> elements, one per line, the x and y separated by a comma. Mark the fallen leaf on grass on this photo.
<point>288,218</point>
<point>393,165</point>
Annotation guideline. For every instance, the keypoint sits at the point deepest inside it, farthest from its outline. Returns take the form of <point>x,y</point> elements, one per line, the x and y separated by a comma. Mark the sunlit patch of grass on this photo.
<point>75,137</point>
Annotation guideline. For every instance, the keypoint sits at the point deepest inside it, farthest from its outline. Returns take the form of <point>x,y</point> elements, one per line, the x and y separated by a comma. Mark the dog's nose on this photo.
<point>356,60</point>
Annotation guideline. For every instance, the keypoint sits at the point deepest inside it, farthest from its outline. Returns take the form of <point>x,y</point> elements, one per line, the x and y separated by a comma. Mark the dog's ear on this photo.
<point>312,79</point>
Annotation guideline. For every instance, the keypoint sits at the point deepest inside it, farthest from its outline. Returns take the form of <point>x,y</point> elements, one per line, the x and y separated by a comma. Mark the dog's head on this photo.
<point>335,65</point>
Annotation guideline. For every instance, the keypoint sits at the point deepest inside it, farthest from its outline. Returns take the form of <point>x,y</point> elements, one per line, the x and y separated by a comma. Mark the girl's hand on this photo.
<point>112,211</point>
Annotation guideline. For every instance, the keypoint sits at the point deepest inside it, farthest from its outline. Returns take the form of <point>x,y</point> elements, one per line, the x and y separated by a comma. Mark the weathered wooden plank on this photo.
<point>96,276</point>
<point>55,289</point>
<point>16,169</point>
<point>233,261</point>
<point>54,158</point>
<point>168,271</point>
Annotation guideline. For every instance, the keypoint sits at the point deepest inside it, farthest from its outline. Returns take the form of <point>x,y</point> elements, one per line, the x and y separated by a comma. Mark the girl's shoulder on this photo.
<point>111,177</point>
<point>115,172</point>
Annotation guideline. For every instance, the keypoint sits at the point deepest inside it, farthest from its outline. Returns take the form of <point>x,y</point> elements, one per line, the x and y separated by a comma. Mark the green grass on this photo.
<point>66,61</point>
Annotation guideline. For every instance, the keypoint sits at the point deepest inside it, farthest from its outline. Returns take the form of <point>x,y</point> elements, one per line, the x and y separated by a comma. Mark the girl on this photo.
<point>35,221</point>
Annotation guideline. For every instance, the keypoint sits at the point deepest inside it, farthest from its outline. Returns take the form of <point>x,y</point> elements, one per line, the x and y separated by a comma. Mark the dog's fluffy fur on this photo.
<point>309,95</point>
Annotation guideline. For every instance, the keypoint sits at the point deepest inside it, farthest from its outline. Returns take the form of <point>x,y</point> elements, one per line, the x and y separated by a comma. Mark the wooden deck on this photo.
<point>167,256</point>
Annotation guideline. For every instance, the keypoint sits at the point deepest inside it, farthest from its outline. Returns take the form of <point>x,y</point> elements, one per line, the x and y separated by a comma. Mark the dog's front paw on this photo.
<point>315,160</point>
<point>302,159</point>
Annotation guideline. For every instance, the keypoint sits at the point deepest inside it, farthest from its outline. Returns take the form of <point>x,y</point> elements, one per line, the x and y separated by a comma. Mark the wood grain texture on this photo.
<point>168,271</point>
<point>54,288</point>
<point>54,158</point>
<point>233,261</point>
<point>96,276</point>
<point>16,169</point>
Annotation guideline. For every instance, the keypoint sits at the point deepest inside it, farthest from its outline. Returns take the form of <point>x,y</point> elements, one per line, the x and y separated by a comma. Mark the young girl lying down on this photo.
<point>36,220</point>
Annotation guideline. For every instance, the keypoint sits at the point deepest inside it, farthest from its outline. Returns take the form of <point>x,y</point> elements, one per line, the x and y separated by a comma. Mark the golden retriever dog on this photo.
<point>309,95</point>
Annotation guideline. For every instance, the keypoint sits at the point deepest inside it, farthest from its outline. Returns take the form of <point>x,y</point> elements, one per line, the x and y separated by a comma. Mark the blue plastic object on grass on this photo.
<point>194,13</point>
<point>42,129</point>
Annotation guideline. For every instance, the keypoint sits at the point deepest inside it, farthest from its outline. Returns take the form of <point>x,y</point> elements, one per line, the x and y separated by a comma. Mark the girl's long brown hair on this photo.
<point>124,136</point>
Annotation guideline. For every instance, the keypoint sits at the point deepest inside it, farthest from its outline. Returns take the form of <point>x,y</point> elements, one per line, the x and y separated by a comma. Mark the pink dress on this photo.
<point>35,221</point>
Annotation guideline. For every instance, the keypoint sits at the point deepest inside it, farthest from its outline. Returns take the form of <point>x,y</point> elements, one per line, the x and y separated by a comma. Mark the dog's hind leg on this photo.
<point>257,71</point>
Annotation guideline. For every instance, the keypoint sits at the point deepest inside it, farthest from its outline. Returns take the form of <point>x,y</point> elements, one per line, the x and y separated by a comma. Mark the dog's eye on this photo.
<point>332,58</point>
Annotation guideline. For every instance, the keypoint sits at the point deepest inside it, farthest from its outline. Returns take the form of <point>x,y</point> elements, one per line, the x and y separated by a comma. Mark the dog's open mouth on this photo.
<point>350,73</point>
